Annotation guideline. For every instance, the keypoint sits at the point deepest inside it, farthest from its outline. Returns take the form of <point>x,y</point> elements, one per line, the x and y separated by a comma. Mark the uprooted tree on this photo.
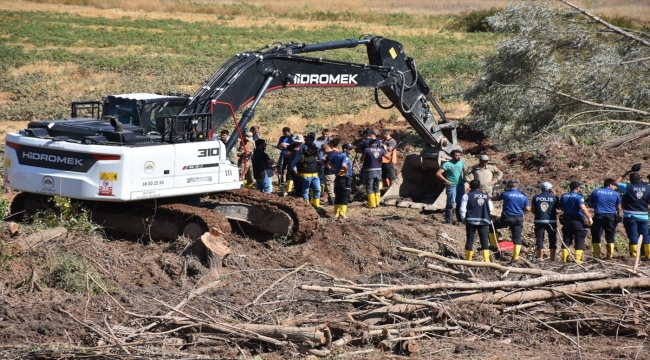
<point>562,69</point>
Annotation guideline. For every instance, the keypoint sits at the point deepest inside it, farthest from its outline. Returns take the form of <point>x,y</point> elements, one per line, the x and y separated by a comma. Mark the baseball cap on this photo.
<point>348,146</point>
<point>484,157</point>
<point>546,185</point>
<point>512,183</point>
<point>574,185</point>
<point>298,138</point>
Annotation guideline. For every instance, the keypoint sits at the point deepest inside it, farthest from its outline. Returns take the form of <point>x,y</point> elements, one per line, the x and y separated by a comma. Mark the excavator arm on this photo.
<point>246,77</point>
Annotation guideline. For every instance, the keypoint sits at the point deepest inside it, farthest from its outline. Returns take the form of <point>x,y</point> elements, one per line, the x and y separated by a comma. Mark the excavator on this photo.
<point>149,163</point>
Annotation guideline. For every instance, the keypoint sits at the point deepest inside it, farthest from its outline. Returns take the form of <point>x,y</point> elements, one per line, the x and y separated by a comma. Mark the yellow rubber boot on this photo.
<point>646,249</point>
<point>610,251</point>
<point>377,199</point>
<point>596,248</point>
<point>579,256</point>
<point>343,211</point>
<point>322,188</point>
<point>316,203</point>
<point>371,201</point>
<point>494,242</point>
<point>515,253</point>
<point>307,201</point>
<point>337,210</point>
<point>486,256</point>
<point>469,254</point>
<point>289,187</point>
<point>632,251</point>
<point>381,185</point>
<point>565,255</point>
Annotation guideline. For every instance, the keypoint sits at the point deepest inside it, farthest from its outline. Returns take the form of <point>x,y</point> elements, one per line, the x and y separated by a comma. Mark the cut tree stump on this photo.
<point>11,227</point>
<point>211,249</point>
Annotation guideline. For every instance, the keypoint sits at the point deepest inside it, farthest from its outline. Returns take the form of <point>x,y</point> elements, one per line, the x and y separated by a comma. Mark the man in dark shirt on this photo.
<point>544,207</point>
<point>607,205</point>
<point>262,167</point>
<point>284,176</point>
<point>371,169</point>
<point>515,204</point>
<point>573,226</point>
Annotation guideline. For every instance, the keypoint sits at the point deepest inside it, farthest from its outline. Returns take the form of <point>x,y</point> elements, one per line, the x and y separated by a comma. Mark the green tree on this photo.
<point>561,70</point>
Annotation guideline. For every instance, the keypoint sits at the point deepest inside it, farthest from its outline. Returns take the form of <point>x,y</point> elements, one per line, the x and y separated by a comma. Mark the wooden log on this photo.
<point>573,140</point>
<point>27,243</point>
<point>312,336</point>
<point>556,292</point>
<point>494,266</point>
<point>409,346</point>
<point>11,227</point>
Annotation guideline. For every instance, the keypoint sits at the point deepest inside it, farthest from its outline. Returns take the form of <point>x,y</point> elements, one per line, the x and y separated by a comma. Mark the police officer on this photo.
<point>607,207</point>
<point>573,223</point>
<point>515,204</point>
<point>371,169</point>
<point>486,174</point>
<point>545,206</point>
<point>305,164</point>
<point>636,196</point>
<point>475,208</point>
<point>343,182</point>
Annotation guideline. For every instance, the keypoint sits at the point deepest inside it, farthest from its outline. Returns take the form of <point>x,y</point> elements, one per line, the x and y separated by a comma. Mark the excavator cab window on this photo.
<point>126,114</point>
<point>159,112</point>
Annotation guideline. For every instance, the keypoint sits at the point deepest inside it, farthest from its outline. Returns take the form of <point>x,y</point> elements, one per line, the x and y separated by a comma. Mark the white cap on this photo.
<point>546,185</point>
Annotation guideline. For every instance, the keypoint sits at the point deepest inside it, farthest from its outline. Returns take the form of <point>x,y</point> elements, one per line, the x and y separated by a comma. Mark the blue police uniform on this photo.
<point>605,202</point>
<point>574,226</point>
<point>512,216</point>
<point>635,211</point>
<point>545,207</point>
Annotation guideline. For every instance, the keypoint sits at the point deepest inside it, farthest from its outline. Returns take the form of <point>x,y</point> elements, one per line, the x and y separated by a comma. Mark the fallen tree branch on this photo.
<point>274,283</point>
<point>556,292</point>
<point>494,266</point>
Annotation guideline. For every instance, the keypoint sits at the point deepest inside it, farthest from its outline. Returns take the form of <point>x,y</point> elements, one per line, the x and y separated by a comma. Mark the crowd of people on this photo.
<point>612,204</point>
<point>312,167</point>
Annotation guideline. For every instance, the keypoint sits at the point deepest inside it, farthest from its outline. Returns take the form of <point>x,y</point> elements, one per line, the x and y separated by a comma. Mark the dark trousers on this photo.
<point>514,222</point>
<point>482,236</point>
<point>297,183</point>
<point>551,230</point>
<point>342,190</point>
<point>603,222</point>
<point>283,174</point>
<point>574,228</point>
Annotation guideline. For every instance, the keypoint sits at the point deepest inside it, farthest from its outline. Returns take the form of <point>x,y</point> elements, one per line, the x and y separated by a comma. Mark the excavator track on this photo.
<point>303,219</point>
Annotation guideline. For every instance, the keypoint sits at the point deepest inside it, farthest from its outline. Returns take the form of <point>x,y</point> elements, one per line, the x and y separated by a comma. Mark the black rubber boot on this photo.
<point>330,200</point>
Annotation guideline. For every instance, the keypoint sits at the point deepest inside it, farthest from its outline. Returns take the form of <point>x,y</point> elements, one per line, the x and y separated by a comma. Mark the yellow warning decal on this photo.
<point>392,52</point>
<point>7,162</point>
<point>110,176</point>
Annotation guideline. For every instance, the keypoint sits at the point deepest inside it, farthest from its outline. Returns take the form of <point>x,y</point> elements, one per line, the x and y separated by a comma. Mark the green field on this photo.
<point>48,59</point>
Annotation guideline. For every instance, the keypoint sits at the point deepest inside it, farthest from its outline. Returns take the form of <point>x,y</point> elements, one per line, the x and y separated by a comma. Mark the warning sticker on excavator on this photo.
<point>392,52</point>
<point>105,188</point>
<point>110,176</point>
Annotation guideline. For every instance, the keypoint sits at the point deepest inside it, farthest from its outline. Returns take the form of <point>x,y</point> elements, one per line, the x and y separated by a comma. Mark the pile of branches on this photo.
<point>481,300</point>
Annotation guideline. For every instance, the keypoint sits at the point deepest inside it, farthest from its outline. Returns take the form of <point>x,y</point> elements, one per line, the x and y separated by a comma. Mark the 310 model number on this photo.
<point>153,183</point>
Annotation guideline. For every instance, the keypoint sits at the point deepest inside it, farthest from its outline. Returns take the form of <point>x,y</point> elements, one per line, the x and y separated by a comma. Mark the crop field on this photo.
<point>55,52</point>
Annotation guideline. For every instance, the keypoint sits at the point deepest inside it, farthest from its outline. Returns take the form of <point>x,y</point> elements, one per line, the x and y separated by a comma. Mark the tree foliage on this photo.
<point>560,68</point>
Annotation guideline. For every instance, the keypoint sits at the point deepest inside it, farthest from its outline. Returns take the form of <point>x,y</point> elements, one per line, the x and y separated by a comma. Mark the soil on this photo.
<point>36,315</point>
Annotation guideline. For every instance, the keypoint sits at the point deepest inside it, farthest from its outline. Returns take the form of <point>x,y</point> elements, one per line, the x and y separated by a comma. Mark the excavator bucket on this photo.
<point>416,185</point>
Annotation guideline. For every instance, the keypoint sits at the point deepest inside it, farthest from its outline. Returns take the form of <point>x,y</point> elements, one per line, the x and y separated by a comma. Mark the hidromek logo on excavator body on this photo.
<point>325,79</point>
<point>53,158</point>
